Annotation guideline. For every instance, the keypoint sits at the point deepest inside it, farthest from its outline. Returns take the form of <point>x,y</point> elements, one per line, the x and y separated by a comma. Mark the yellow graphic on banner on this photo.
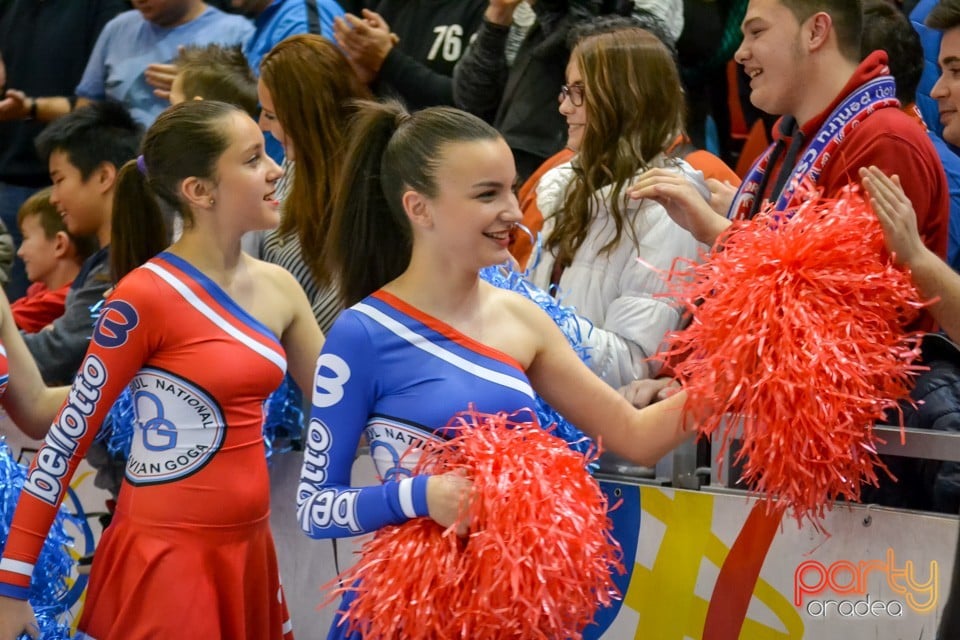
<point>665,595</point>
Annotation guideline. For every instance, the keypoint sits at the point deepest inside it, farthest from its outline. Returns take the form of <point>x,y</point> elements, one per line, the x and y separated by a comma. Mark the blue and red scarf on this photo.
<point>875,94</point>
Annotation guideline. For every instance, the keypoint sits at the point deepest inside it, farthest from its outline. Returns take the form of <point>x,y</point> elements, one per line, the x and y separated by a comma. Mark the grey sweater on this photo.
<point>59,349</point>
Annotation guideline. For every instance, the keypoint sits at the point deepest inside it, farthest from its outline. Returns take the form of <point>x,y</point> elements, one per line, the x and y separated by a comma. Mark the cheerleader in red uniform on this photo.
<point>201,334</point>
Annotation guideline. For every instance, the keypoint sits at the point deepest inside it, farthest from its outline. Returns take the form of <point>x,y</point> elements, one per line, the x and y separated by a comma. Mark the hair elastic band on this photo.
<point>142,165</point>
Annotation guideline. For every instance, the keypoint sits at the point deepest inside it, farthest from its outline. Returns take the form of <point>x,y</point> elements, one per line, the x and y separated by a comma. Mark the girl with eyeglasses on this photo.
<point>602,252</point>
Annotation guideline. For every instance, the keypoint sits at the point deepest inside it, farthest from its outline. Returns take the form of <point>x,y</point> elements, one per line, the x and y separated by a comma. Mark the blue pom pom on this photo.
<point>117,428</point>
<point>283,425</point>
<point>565,318</point>
<point>49,594</point>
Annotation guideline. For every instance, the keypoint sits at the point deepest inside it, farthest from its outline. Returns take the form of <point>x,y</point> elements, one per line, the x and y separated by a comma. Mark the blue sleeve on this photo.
<point>296,22</point>
<point>291,24</point>
<point>328,12</point>
<point>344,393</point>
<point>93,83</point>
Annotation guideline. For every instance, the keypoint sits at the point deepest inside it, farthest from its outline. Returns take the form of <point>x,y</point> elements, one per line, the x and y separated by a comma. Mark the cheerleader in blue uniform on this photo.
<point>425,202</point>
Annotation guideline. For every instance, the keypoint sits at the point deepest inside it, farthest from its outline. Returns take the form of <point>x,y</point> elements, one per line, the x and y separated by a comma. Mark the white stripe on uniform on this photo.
<point>433,349</point>
<point>216,318</point>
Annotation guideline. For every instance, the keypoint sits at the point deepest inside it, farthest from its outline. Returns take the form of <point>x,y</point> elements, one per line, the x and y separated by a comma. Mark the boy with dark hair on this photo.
<point>931,276</point>
<point>839,114</point>
<point>887,29</point>
<point>846,15</point>
<point>215,72</point>
<point>945,16</point>
<point>84,151</point>
<point>52,258</point>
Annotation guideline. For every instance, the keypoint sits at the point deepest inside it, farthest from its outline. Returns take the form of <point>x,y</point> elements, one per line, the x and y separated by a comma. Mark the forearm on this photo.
<point>35,417</point>
<point>480,76</point>
<point>327,506</point>
<point>50,108</point>
<point>48,405</point>
<point>935,279</point>
<point>417,83</point>
<point>653,431</point>
<point>340,511</point>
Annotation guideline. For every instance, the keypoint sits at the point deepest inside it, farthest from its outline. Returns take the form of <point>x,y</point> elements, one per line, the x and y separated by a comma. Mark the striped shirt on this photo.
<point>284,250</point>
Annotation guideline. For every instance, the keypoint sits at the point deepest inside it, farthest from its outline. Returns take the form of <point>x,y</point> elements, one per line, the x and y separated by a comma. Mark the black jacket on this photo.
<point>45,46</point>
<point>434,34</point>
<point>927,484</point>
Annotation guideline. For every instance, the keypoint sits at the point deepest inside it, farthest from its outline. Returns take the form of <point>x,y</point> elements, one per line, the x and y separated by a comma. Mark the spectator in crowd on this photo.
<point>899,220</point>
<point>804,62</point>
<point>623,103</point>
<point>276,20</point>
<point>44,47</point>
<point>52,258</point>
<point>510,73</point>
<point>408,48</point>
<point>916,483</point>
<point>930,40</point>
<point>84,150</point>
<point>7,254</point>
<point>307,92</point>
<point>936,281</point>
<point>712,167</point>
<point>153,32</point>
<point>215,72</point>
<point>886,28</point>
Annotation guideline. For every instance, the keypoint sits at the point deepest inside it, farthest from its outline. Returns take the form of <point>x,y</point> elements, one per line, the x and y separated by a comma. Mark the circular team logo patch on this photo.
<point>179,428</point>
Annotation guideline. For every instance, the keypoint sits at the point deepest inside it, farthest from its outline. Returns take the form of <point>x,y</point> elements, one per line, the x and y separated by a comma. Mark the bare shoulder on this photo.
<point>521,310</point>
<point>272,275</point>
<point>276,287</point>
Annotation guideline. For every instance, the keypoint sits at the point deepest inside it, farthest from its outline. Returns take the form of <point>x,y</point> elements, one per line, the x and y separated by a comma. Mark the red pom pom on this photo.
<point>537,561</point>
<point>798,328</point>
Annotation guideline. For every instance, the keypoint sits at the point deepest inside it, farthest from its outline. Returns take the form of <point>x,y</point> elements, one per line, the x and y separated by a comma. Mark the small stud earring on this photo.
<point>212,202</point>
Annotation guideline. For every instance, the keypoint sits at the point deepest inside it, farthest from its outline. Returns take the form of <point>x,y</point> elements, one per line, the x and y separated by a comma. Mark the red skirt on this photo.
<point>150,581</point>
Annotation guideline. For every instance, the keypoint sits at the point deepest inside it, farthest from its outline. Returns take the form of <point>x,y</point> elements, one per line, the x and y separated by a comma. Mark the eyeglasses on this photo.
<point>572,91</point>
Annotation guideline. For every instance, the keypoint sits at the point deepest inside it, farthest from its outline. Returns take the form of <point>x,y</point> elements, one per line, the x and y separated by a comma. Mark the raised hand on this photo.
<point>160,77</point>
<point>14,106</point>
<point>895,213</point>
<point>501,11</point>
<point>366,41</point>
<point>683,202</point>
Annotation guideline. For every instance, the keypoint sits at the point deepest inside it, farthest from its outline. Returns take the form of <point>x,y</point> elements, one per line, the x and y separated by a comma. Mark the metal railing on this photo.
<point>915,443</point>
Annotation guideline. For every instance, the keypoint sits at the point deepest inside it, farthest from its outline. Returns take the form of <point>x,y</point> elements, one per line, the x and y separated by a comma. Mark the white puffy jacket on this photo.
<point>614,291</point>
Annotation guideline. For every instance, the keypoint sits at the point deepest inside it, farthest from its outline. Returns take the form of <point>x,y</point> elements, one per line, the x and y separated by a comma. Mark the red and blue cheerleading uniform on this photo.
<point>189,553</point>
<point>396,375</point>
